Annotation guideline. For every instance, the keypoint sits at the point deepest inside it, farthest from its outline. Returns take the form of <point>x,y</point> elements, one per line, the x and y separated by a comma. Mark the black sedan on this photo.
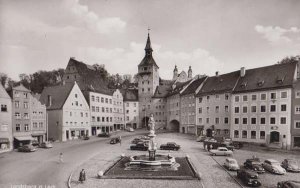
<point>104,134</point>
<point>170,146</point>
<point>114,140</point>
<point>139,146</point>
<point>254,164</point>
<point>289,184</point>
<point>27,148</point>
<point>249,178</point>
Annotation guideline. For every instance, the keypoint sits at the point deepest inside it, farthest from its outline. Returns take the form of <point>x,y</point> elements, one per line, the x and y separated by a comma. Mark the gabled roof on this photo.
<point>178,87</point>
<point>219,84</point>
<point>192,87</point>
<point>161,91</point>
<point>148,60</point>
<point>130,94</point>
<point>91,78</point>
<point>59,95</point>
<point>21,88</point>
<point>265,78</point>
<point>3,93</point>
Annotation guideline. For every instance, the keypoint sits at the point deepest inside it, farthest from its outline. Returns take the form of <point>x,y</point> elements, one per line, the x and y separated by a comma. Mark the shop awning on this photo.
<point>4,140</point>
<point>24,138</point>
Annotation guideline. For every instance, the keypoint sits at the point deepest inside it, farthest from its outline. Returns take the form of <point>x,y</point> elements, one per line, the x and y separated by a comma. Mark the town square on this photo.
<point>149,94</point>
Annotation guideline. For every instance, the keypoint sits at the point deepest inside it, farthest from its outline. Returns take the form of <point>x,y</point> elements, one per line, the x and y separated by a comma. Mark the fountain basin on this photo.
<point>145,161</point>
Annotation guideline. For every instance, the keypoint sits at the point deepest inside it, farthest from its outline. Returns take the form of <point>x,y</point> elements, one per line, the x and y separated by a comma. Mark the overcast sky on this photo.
<point>209,35</point>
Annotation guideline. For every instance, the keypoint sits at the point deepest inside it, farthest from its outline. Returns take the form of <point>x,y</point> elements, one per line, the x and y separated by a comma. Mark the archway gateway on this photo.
<point>145,121</point>
<point>274,136</point>
<point>174,125</point>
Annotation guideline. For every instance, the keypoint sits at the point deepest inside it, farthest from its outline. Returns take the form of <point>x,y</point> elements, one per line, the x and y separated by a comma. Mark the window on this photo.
<point>262,108</point>
<point>207,109</point>
<point>97,110</point>
<point>226,109</point>
<point>245,109</point>
<point>272,120</point>
<point>245,98</point>
<point>262,135</point>
<point>93,108</point>
<point>236,98</point>
<point>273,108</point>
<point>103,119</point>
<point>226,131</point>
<point>253,109</point>
<point>236,134</point>
<point>245,121</point>
<point>106,100</point>
<point>226,121</point>
<point>236,121</point>
<point>253,121</point>
<point>93,118</point>
<point>200,110</point>
<point>93,98</point>
<point>17,115</point>
<point>76,103</point>
<point>283,120</point>
<point>26,127</point>
<point>273,95</point>
<point>25,105</point>
<point>244,134</point>
<point>297,125</point>
<point>253,134</point>
<point>297,94</point>
<point>262,121</point>
<point>26,116</point>
<point>207,120</point>
<point>86,115</point>
<point>283,95</point>
<point>17,104</point>
<point>102,99</point>
<point>236,110</point>
<point>263,96</point>
<point>103,109</point>
<point>217,109</point>
<point>283,108</point>
<point>207,98</point>
<point>200,121</point>
<point>253,97</point>
<point>217,120</point>
<point>3,108</point>
<point>97,99</point>
<point>18,127</point>
<point>226,97</point>
<point>297,109</point>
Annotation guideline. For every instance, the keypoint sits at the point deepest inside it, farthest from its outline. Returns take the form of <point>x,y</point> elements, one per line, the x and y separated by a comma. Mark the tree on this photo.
<point>3,79</point>
<point>291,59</point>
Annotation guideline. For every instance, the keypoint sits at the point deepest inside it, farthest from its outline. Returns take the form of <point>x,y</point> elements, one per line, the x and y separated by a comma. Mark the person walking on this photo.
<point>120,139</point>
<point>61,158</point>
<point>82,176</point>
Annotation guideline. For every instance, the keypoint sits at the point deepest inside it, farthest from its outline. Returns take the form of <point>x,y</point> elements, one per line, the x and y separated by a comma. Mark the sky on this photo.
<point>208,35</point>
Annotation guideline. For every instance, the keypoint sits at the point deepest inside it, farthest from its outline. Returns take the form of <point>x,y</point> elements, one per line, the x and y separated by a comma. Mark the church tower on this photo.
<point>175,73</point>
<point>190,73</point>
<point>148,80</point>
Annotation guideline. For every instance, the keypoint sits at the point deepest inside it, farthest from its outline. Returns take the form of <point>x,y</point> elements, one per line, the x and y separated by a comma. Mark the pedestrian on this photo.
<point>82,176</point>
<point>209,147</point>
<point>120,139</point>
<point>61,158</point>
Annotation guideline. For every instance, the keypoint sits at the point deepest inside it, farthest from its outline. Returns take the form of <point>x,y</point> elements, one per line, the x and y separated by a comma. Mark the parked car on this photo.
<point>288,184</point>
<point>273,166</point>
<point>231,164</point>
<point>104,134</point>
<point>136,140</point>
<point>129,129</point>
<point>35,143</point>
<point>139,146</point>
<point>237,145</point>
<point>208,139</point>
<point>254,164</point>
<point>221,151</point>
<point>46,145</point>
<point>27,148</point>
<point>115,140</point>
<point>201,138</point>
<point>290,165</point>
<point>249,178</point>
<point>170,146</point>
<point>86,138</point>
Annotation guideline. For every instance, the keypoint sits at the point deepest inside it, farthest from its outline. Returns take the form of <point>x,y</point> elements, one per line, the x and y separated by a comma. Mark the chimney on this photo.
<point>217,73</point>
<point>49,100</point>
<point>243,72</point>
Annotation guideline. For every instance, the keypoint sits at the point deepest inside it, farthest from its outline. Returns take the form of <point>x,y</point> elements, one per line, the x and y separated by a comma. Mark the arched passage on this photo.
<point>174,125</point>
<point>274,137</point>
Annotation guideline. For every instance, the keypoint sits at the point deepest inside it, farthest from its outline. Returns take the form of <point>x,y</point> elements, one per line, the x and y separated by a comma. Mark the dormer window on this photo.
<point>260,83</point>
<point>145,68</point>
<point>280,79</point>
<point>243,85</point>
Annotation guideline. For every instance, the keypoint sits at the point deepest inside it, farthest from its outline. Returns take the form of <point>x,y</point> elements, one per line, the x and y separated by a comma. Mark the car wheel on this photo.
<point>214,154</point>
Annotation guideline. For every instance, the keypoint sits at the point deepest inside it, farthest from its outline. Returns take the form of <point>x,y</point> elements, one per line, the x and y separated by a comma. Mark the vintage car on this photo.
<point>115,140</point>
<point>231,164</point>
<point>170,146</point>
<point>129,129</point>
<point>86,138</point>
<point>273,166</point>
<point>254,164</point>
<point>104,134</point>
<point>35,143</point>
<point>136,140</point>
<point>27,148</point>
<point>221,151</point>
<point>288,184</point>
<point>290,165</point>
<point>249,178</point>
<point>139,146</point>
<point>46,145</point>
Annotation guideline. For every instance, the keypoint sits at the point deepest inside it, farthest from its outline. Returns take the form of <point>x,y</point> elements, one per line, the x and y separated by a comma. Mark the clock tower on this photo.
<point>148,80</point>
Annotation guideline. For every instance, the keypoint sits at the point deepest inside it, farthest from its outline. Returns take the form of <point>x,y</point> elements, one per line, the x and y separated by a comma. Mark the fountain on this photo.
<point>152,159</point>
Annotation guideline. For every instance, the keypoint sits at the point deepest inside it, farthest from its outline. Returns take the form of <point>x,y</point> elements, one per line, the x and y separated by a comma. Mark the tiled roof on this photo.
<point>178,87</point>
<point>3,93</point>
<point>192,87</point>
<point>269,77</point>
<point>165,86</point>
<point>21,88</point>
<point>130,94</point>
<point>219,84</point>
<point>91,79</point>
<point>59,95</point>
<point>148,60</point>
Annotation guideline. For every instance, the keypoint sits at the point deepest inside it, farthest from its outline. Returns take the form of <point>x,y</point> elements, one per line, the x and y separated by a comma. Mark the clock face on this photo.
<point>145,77</point>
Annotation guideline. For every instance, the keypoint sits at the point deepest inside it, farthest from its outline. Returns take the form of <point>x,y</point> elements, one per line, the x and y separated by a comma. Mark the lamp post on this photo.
<point>144,109</point>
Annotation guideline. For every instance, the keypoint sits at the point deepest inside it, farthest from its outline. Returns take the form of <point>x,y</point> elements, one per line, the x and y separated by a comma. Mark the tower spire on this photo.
<point>148,48</point>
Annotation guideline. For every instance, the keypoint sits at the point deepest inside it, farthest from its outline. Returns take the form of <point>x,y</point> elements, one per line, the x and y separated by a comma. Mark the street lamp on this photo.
<point>144,109</point>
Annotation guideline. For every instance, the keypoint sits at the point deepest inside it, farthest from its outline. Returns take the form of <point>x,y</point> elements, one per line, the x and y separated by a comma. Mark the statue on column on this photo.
<point>151,125</point>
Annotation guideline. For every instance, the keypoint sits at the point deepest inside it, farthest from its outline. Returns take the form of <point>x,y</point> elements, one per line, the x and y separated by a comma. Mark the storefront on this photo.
<point>22,140</point>
<point>4,144</point>
<point>39,137</point>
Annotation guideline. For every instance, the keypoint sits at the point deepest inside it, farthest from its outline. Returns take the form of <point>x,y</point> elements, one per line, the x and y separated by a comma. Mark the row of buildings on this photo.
<point>260,105</point>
